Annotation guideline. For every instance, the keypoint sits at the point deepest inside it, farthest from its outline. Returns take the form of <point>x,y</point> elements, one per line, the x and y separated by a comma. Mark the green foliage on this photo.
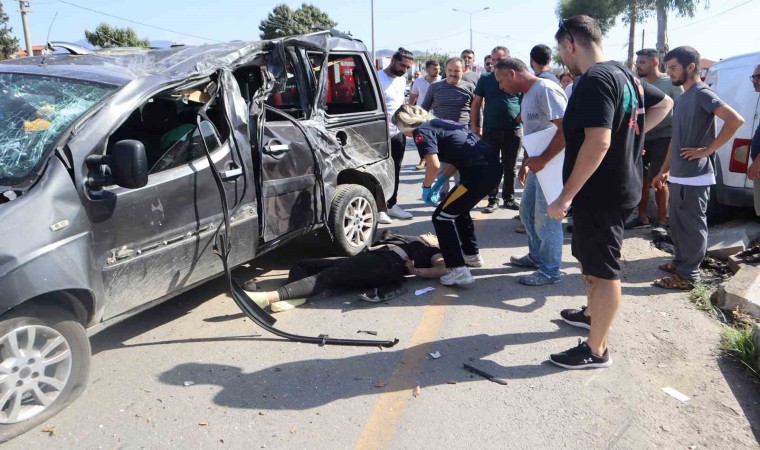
<point>738,342</point>
<point>700,296</point>
<point>422,59</point>
<point>604,11</point>
<point>8,43</point>
<point>107,36</point>
<point>283,21</point>
<point>607,11</point>
<point>557,56</point>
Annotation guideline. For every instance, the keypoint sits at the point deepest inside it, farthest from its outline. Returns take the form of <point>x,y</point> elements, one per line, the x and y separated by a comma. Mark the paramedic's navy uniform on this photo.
<point>479,172</point>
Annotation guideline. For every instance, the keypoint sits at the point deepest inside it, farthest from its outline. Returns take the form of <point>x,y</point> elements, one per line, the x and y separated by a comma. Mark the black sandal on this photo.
<point>749,252</point>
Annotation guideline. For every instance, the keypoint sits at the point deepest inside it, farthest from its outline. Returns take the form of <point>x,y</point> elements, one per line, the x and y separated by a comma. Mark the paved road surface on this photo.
<point>249,389</point>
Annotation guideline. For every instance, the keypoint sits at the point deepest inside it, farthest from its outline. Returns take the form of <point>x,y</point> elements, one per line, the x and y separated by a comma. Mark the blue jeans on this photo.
<point>544,233</point>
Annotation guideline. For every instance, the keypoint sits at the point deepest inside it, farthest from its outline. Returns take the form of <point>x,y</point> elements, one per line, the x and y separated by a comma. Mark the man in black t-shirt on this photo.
<point>603,127</point>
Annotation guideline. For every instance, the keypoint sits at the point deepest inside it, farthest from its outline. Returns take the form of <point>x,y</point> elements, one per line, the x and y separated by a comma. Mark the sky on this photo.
<point>726,28</point>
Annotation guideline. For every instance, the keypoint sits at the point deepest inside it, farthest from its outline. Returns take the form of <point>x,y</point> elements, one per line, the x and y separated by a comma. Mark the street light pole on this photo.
<point>374,58</point>
<point>470,13</point>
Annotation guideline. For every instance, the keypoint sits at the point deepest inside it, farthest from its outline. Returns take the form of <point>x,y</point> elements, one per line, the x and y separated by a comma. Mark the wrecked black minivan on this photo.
<point>111,168</point>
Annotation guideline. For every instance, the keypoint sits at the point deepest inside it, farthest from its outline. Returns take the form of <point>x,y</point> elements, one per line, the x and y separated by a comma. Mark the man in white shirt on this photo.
<point>421,84</point>
<point>393,81</point>
<point>419,89</point>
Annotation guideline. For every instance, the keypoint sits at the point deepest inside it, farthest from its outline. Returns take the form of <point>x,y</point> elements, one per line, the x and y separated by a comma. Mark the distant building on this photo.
<point>37,50</point>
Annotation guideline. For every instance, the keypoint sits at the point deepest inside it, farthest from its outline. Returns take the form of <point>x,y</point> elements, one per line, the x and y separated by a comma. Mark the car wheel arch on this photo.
<point>79,302</point>
<point>355,176</point>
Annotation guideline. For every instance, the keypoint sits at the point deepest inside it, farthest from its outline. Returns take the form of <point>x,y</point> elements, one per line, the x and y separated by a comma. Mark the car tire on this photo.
<point>352,220</point>
<point>42,387</point>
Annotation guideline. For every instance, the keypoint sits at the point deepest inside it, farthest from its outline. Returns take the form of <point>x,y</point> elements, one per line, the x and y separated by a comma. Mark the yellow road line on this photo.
<point>381,427</point>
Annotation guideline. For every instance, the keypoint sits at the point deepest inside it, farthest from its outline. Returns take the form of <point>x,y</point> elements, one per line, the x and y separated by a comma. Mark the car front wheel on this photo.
<point>44,365</point>
<point>353,219</point>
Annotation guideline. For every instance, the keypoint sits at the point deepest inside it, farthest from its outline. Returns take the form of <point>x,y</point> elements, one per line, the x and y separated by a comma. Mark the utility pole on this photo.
<point>374,62</point>
<point>470,13</point>
<point>643,33</point>
<point>22,5</point>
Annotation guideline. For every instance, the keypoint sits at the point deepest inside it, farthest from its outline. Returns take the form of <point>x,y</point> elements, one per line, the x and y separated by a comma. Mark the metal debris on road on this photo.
<point>373,333</point>
<point>435,355</point>
<point>675,394</point>
<point>485,375</point>
<point>423,290</point>
<point>188,383</point>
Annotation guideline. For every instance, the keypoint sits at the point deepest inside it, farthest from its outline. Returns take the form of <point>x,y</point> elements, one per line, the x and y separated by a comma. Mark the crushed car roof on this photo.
<point>121,65</point>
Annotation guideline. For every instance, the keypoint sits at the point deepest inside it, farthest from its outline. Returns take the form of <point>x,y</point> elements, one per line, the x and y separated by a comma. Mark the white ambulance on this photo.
<point>730,79</point>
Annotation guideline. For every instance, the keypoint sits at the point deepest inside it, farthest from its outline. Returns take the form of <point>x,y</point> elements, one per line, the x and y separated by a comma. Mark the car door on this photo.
<point>157,240</point>
<point>289,200</point>
<point>352,106</point>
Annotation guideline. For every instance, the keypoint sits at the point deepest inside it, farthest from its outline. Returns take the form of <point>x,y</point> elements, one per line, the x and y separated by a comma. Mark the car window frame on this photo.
<point>372,80</point>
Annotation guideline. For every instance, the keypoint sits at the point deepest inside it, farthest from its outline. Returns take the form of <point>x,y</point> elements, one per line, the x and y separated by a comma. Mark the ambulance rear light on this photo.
<point>739,156</point>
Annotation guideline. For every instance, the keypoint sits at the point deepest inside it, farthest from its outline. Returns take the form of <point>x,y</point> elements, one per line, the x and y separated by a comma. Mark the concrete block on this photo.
<point>734,263</point>
<point>723,243</point>
<point>750,227</point>
<point>742,292</point>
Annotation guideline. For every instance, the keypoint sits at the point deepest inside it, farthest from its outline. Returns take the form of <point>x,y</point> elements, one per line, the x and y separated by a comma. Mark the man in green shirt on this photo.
<point>501,129</point>
<point>656,141</point>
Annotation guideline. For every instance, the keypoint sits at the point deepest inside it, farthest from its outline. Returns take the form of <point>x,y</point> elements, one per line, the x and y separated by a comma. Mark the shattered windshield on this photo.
<point>34,112</point>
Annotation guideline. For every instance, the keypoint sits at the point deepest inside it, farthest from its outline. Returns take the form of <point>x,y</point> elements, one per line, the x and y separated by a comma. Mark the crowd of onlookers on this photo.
<point>620,136</point>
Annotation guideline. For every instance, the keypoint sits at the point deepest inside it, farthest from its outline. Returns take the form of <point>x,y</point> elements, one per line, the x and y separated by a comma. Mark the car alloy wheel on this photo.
<point>35,366</point>
<point>358,222</point>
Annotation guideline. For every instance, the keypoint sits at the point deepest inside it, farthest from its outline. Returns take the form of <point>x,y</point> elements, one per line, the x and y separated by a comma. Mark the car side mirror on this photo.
<point>129,164</point>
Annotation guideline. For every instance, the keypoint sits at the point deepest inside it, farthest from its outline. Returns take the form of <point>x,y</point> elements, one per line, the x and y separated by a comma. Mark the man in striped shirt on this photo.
<point>450,98</point>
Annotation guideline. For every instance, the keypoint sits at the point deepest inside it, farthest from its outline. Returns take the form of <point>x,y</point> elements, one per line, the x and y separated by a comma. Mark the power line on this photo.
<point>713,16</point>
<point>503,37</point>
<point>409,44</point>
<point>136,22</point>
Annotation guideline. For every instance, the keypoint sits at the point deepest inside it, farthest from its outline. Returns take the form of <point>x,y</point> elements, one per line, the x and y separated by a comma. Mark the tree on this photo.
<point>8,43</point>
<point>435,56</point>
<point>283,21</point>
<point>633,11</point>
<point>107,36</point>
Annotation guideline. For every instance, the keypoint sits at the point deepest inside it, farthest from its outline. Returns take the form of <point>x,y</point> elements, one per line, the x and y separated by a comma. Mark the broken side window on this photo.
<point>34,112</point>
<point>285,95</point>
<point>167,127</point>
<point>349,89</point>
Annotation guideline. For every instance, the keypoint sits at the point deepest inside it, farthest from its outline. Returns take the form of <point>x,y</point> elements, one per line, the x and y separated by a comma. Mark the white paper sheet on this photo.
<point>550,177</point>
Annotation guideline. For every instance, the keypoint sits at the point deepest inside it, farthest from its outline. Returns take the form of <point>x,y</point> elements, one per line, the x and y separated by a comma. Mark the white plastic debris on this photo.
<point>435,355</point>
<point>675,394</point>
<point>423,290</point>
<point>189,383</point>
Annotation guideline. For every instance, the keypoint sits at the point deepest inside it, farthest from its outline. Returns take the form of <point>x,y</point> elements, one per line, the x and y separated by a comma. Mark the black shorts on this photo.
<point>655,152</point>
<point>597,239</point>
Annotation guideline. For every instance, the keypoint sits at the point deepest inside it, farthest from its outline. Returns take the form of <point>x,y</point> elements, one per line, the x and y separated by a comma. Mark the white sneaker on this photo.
<point>457,276</point>
<point>384,218</point>
<point>473,260</point>
<point>398,213</point>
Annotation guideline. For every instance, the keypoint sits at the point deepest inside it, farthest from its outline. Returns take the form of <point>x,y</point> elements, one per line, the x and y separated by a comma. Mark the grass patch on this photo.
<point>700,296</point>
<point>738,343</point>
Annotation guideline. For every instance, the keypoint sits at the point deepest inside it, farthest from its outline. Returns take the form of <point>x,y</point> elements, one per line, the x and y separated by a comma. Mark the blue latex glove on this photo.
<point>439,182</point>
<point>429,196</point>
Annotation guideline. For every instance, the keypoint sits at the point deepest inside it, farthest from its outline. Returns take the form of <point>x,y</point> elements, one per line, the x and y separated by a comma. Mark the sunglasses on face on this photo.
<point>754,77</point>
<point>565,29</point>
